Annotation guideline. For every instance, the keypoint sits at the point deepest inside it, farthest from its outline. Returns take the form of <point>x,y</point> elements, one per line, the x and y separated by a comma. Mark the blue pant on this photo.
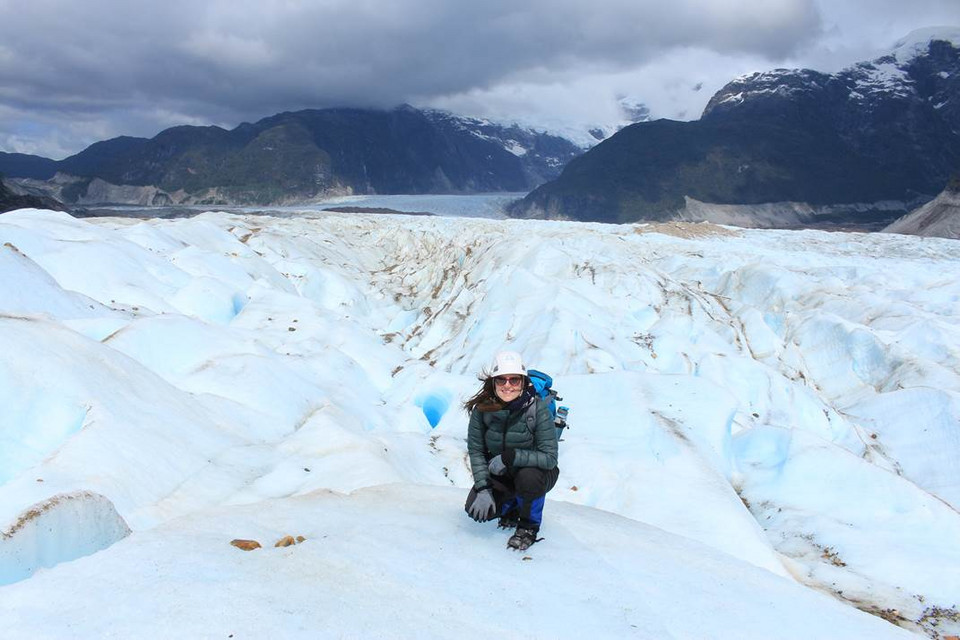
<point>524,493</point>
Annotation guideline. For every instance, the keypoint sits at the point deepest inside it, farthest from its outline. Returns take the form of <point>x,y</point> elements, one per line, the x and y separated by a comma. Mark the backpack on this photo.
<point>543,385</point>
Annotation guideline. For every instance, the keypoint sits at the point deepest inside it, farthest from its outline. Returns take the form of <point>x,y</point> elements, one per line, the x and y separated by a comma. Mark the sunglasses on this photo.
<point>513,381</point>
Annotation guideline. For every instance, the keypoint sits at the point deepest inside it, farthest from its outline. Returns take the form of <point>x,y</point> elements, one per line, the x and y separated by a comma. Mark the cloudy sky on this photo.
<point>73,72</point>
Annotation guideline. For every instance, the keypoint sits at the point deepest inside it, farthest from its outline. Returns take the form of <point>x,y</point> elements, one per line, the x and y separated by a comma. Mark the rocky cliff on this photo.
<point>11,200</point>
<point>939,218</point>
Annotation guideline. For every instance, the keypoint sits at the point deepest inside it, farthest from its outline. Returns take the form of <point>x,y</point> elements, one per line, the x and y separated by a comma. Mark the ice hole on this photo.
<point>434,405</point>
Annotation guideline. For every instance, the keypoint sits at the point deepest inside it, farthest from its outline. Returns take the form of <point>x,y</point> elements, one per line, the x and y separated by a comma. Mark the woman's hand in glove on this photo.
<point>483,507</point>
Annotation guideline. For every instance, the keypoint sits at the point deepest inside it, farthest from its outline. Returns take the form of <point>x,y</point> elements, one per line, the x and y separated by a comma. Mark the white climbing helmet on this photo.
<point>508,363</point>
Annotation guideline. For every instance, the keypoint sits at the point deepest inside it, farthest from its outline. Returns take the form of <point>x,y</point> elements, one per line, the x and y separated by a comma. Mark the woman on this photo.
<point>512,444</point>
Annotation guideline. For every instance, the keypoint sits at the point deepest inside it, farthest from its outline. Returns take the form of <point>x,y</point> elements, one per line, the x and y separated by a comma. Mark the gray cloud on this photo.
<point>104,66</point>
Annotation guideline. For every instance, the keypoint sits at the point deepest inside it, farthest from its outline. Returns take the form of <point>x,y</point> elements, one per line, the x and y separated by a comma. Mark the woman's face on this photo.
<point>508,388</point>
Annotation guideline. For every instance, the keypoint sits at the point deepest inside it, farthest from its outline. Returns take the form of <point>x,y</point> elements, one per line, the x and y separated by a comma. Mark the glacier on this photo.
<point>764,426</point>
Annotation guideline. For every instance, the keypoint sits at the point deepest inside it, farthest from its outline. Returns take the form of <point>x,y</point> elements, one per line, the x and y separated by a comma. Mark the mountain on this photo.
<point>938,218</point>
<point>303,155</point>
<point>879,132</point>
<point>22,165</point>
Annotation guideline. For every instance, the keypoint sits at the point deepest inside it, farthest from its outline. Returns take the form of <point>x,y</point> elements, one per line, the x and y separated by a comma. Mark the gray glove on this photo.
<point>497,466</point>
<point>483,507</point>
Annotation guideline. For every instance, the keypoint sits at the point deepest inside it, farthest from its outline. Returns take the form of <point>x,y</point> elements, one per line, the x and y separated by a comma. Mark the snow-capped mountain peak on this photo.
<point>520,140</point>
<point>924,54</point>
<point>917,42</point>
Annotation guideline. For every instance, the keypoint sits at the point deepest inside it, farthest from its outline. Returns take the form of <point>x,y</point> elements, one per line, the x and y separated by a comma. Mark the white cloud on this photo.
<point>229,51</point>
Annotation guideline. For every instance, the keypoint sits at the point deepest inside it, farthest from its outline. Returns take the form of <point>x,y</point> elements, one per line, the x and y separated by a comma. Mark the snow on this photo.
<point>63,528</point>
<point>763,426</point>
<point>917,42</point>
<point>515,148</point>
<point>886,76</point>
<point>736,98</point>
<point>391,562</point>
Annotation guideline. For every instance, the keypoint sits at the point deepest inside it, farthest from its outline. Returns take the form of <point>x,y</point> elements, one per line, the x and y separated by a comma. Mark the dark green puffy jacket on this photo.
<point>491,433</point>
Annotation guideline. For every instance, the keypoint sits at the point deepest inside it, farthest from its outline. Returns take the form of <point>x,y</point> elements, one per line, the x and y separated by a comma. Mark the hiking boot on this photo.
<point>509,520</point>
<point>522,539</point>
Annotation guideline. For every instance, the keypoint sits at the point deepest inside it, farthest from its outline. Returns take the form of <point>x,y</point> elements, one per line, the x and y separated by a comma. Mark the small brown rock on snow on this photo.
<point>246,545</point>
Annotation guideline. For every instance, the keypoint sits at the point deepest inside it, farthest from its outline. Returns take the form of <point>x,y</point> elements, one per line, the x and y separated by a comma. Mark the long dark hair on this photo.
<point>486,399</point>
<point>486,396</point>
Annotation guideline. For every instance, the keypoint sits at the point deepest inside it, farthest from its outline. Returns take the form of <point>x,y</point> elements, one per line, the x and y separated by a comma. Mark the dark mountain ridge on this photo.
<point>24,165</point>
<point>880,131</point>
<point>304,155</point>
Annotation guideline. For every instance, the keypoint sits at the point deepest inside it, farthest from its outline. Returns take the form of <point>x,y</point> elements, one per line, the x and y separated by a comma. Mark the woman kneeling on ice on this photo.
<point>512,444</point>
